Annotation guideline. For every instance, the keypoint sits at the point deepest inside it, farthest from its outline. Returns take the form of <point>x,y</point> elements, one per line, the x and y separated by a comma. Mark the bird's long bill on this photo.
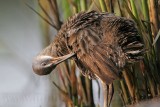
<point>62,58</point>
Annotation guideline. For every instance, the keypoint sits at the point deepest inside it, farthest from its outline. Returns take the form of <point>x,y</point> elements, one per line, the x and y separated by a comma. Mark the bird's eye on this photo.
<point>44,64</point>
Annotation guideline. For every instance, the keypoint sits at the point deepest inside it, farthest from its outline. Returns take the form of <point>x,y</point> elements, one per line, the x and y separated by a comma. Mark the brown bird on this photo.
<point>101,44</point>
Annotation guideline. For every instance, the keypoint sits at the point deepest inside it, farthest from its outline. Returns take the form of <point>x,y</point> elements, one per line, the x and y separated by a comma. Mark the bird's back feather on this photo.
<point>103,43</point>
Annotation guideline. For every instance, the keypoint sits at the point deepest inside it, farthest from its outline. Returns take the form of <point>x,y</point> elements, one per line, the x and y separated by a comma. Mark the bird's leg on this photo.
<point>108,91</point>
<point>105,93</point>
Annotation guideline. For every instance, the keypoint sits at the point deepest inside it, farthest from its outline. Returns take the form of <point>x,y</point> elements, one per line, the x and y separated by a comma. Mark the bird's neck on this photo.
<point>50,50</point>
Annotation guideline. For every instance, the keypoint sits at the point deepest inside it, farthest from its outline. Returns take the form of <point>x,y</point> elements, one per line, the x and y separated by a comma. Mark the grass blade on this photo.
<point>156,38</point>
<point>46,20</point>
<point>103,5</point>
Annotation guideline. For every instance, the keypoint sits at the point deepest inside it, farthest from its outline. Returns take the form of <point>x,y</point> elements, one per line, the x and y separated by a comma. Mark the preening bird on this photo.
<point>101,44</point>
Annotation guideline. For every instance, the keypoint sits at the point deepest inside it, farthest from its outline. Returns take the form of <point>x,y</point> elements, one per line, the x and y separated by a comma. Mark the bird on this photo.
<point>100,43</point>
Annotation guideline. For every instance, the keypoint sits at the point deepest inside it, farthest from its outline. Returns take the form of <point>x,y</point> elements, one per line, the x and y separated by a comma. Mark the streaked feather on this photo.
<point>104,43</point>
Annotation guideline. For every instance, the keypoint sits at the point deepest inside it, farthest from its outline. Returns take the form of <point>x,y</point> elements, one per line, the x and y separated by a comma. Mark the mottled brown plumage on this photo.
<point>101,45</point>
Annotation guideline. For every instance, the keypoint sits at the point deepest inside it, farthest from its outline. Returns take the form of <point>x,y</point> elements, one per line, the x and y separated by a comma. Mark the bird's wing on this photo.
<point>126,36</point>
<point>105,46</point>
<point>82,42</point>
<point>94,57</point>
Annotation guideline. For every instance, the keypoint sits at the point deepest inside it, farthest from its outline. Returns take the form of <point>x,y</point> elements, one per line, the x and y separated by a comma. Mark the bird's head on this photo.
<point>43,65</point>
